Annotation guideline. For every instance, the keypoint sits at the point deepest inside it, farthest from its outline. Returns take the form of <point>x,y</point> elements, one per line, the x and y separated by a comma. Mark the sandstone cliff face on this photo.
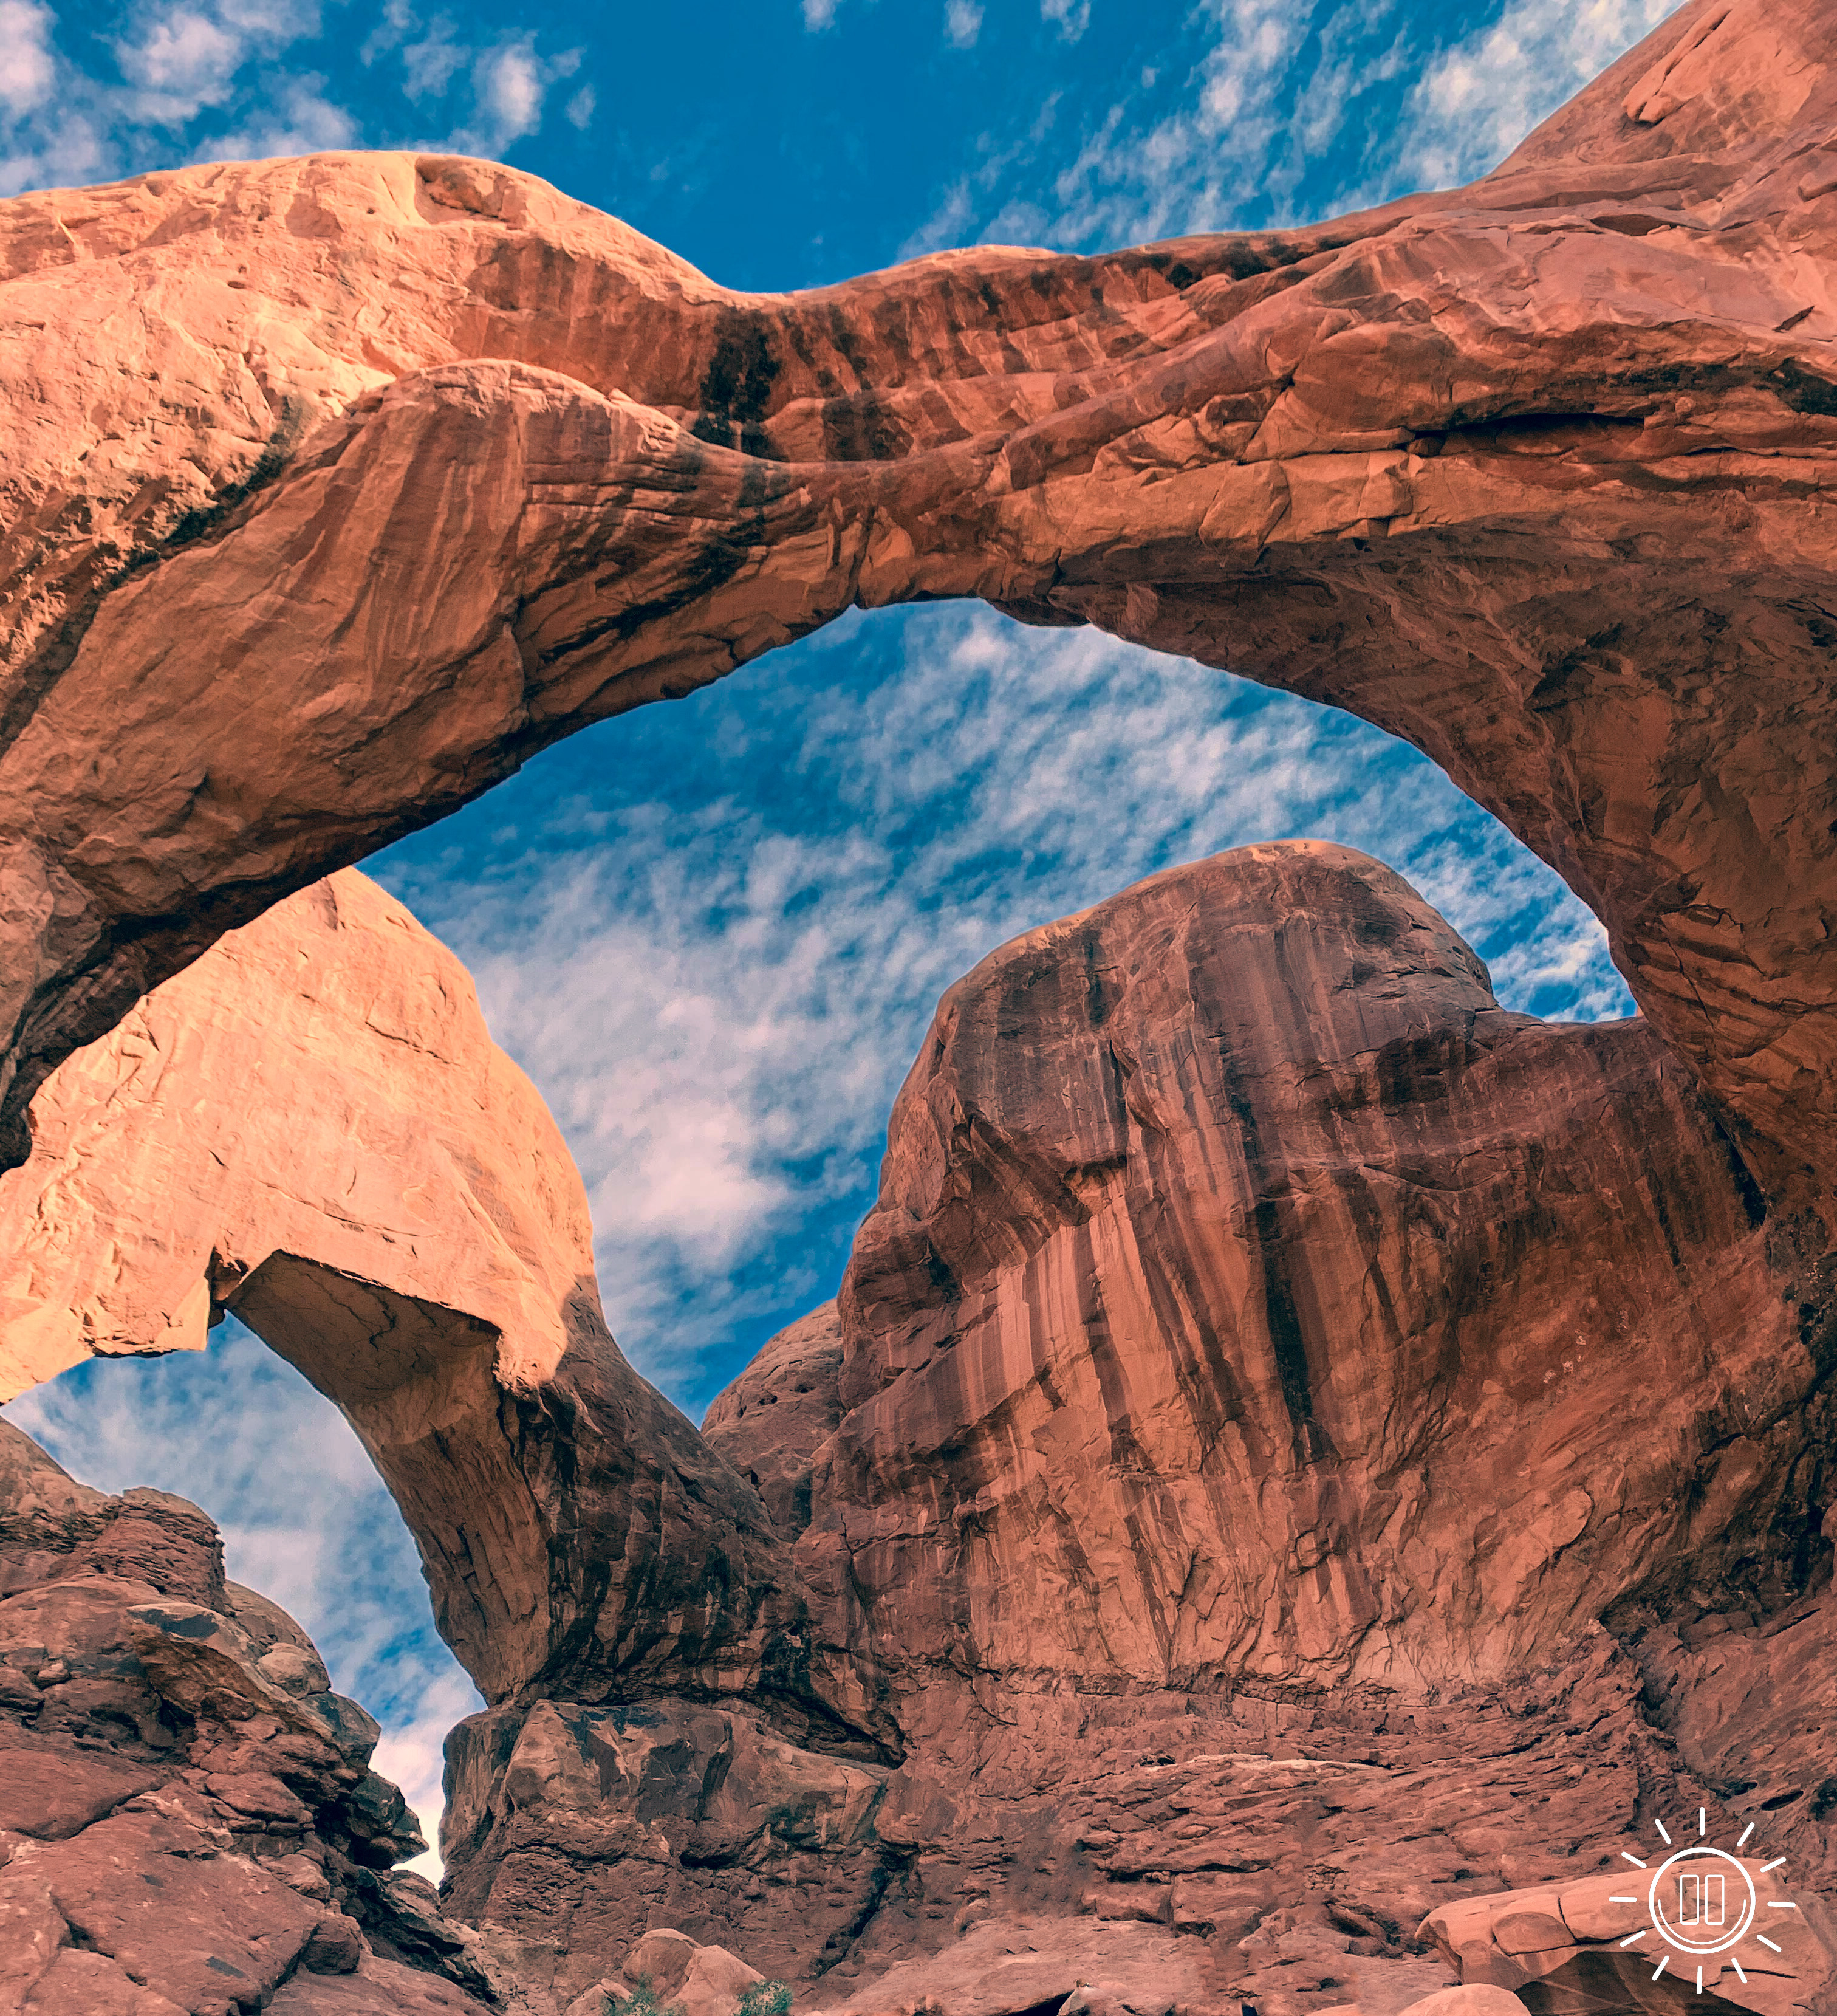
<point>1530,472</point>
<point>311,1126</point>
<point>771,1421</point>
<point>1247,1293</point>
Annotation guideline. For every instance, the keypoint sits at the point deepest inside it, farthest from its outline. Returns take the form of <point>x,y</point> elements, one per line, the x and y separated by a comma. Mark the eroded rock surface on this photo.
<point>1249,1292</point>
<point>781,1410</point>
<point>1533,472</point>
<point>1268,1358</point>
<point>1200,1453</point>
<point>187,1820</point>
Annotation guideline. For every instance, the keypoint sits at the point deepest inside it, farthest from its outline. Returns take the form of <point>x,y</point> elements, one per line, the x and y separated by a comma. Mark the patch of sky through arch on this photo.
<point>714,931</point>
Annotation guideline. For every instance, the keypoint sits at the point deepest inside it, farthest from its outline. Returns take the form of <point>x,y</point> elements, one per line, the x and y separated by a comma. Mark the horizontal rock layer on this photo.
<point>1535,473</point>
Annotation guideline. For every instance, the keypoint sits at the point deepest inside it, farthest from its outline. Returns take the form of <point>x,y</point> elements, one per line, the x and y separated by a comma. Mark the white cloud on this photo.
<point>508,85</point>
<point>1073,16</point>
<point>963,23</point>
<point>718,989</point>
<point>302,121</point>
<point>27,69</point>
<point>946,225</point>
<point>819,14</point>
<point>429,65</point>
<point>216,80</point>
<point>183,62</point>
<point>580,109</point>
<point>1477,100</point>
<point>1285,110</point>
<point>412,1755</point>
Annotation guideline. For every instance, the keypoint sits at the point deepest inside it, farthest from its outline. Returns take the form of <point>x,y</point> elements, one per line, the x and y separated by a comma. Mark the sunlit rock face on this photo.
<point>1533,472</point>
<point>1249,1292</point>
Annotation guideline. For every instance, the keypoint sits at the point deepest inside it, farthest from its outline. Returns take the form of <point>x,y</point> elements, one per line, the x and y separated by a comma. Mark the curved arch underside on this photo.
<point>336,487</point>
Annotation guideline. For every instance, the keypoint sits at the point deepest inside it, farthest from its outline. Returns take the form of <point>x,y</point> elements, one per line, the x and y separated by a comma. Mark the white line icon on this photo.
<point>1702,1901</point>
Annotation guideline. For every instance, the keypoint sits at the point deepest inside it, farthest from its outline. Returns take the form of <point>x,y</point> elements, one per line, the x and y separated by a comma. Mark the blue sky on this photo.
<point>713,931</point>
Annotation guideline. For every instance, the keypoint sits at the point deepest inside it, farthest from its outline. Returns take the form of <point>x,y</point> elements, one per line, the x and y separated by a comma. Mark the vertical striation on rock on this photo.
<point>1249,1292</point>
<point>1224,1414</point>
<point>1286,1419</point>
<point>1264,1344</point>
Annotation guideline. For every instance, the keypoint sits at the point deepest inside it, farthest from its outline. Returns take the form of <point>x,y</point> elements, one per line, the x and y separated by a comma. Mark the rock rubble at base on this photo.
<point>188,1819</point>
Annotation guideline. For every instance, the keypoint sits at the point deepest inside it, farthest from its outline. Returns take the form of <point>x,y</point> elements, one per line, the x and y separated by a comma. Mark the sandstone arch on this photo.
<point>310,1127</point>
<point>1535,473</point>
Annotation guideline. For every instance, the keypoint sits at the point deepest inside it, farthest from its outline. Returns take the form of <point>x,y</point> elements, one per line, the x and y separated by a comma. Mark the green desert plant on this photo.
<point>765,1998</point>
<point>642,2001</point>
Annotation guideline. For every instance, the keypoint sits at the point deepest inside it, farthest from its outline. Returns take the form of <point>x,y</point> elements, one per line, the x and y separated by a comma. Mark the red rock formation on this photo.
<point>1265,1352</point>
<point>1249,1292</point>
<point>1530,472</point>
<point>1571,1945</point>
<point>781,1410</point>
<point>1251,1304</point>
<point>187,1818</point>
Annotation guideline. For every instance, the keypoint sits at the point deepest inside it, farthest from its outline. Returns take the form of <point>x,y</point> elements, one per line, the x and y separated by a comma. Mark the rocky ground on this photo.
<point>188,1818</point>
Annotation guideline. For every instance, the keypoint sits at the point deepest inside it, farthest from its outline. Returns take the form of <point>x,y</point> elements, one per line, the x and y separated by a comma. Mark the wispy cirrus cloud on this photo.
<point>963,23</point>
<point>502,84</point>
<point>1275,112</point>
<point>1477,99</point>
